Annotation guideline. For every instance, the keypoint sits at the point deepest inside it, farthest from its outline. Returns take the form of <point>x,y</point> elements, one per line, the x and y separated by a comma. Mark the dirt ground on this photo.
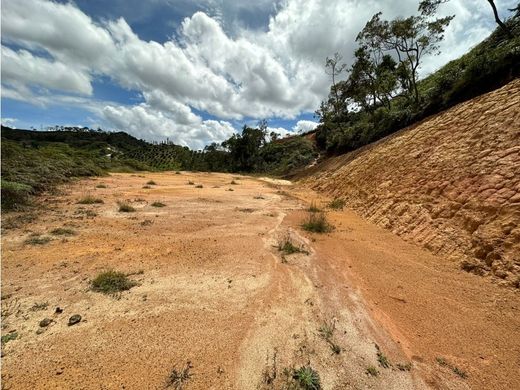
<point>213,289</point>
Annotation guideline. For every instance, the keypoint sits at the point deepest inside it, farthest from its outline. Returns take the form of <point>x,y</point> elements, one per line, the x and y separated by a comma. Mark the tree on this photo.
<point>497,19</point>
<point>334,67</point>
<point>410,39</point>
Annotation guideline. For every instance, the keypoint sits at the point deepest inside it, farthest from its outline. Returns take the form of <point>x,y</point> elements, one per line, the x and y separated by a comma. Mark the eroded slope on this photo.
<point>450,183</point>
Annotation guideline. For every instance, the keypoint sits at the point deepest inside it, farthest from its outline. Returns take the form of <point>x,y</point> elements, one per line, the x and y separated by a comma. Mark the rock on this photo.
<point>58,310</point>
<point>45,322</point>
<point>73,320</point>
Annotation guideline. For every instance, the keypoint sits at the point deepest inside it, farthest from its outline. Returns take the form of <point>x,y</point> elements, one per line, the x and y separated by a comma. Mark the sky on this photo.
<point>192,71</point>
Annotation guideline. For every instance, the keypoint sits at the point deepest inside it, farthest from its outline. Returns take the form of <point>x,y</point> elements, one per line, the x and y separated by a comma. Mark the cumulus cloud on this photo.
<point>229,73</point>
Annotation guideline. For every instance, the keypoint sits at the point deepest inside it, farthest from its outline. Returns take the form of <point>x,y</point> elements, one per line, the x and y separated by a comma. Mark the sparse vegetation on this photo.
<point>39,306</point>
<point>233,182</point>
<point>111,282</point>
<point>307,378</point>
<point>383,360</point>
<point>317,223</point>
<point>9,337</point>
<point>63,232</point>
<point>404,366</point>
<point>125,207</point>
<point>313,208</point>
<point>89,199</point>
<point>101,185</point>
<point>288,248</point>
<point>177,173</point>
<point>456,370</point>
<point>179,378</point>
<point>372,371</point>
<point>337,204</point>
<point>326,330</point>
<point>199,186</point>
<point>151,183</point>
<point>191,183</point>
<point>146,187</point>
<point>158,204</point>
<point>37,240</point>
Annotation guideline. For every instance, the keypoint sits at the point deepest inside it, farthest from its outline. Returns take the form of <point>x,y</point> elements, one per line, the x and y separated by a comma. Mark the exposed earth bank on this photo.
<point>450,183</point>
<point>214,289</point>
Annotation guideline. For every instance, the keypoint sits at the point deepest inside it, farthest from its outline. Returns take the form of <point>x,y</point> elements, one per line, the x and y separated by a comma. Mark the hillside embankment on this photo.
<point>450,183</point>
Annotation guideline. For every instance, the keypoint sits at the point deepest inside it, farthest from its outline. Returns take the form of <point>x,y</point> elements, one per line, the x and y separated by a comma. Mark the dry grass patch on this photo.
<point>111,282</point>
<point>89,199</point>
<point>125,207</point>
<point>317,223</point>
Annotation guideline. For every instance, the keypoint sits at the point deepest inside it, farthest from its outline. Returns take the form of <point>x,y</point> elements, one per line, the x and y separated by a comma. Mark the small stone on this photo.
<point>73,320</point>
<point>45,322</point>
<point>40,331</point>
<point>58,310</point>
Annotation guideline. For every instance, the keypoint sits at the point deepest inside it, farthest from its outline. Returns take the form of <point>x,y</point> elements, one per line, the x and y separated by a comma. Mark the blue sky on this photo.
<point>192,71</point>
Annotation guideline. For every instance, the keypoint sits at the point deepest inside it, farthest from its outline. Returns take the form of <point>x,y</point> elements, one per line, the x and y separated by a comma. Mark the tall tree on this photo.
<point>334,67</point>
<point>497,19</point>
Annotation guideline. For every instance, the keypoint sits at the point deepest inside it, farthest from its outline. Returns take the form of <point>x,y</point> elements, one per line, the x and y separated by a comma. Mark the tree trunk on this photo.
<point>497,19</point>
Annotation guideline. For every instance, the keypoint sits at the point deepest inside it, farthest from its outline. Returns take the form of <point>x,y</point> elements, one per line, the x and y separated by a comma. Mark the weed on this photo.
<point>37,240</point>
<point>158,204</point>
<point>372,371</point>
<point>63,232</point>
<point>151,183</point>
<point>9,337</point>
<point>317,223</point>
<point>404,366</point>
<point>326,330</point>
<point>230,189</point>
<point>178,378</point>
<point>101,186</point>
<point>270,373</point>
<point>335,348</point>
<point>233,182</point>
<point>383,360</point>
<point>191,183</point>
<point>337,204</point>
<point>307,378</point>
<point>89,199</point>
<point>199,186</point>
<point>125,207</point>
<point>111,282</point>
<point>441,361</point>
<point>259,197</point>
<point>459,372</point>
<point>287,247</point>
<point>146,187</point>
<point>313,207</point>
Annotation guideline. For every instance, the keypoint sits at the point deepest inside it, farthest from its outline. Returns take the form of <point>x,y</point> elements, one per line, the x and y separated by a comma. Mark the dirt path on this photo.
<point>214,290</point>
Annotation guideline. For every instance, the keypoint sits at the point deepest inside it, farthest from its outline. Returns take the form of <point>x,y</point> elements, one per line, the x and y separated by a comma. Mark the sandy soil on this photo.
<point>214,290</point>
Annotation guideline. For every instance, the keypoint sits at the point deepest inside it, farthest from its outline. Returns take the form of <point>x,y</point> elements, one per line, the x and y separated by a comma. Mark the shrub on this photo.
<point>287,247</point>
<point>37,240</point>
<point>313,208</point>
<point>111,282</point>
<point>317,223</point>
<point>101,186</point>
<point>191,183</point>
<point>178,378</point>
<point>63,232</point>
<point>14,194</point>
<point>125,207</point>
<point>151,183</point>
<point>89,199</point>
<point>158,204</point>
<point>146,187</point>
<point>199,186</point>
<point>372,371</point>
<point>307,378</point>
<point>337,204</point>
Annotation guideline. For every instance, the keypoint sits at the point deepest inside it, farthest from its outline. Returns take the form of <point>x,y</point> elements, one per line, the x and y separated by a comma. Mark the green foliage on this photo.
<point>111,282</point>
<point>382,110</point>
<point>313,207</point>
<point>287,247</point>
<point>317,223</point>
<point>307,378</point>
<point>14,194</point>
<point>125,207</point>
<point>372,371</point>
<point>89,199</point>
<point>9,337</point>
<point>337,204</point>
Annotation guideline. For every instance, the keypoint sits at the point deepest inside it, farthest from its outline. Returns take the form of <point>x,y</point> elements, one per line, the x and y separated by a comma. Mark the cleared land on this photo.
<point>214,289</point>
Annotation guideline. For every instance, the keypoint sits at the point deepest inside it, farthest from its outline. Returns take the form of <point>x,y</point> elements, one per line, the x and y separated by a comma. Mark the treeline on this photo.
<point>381,92</point>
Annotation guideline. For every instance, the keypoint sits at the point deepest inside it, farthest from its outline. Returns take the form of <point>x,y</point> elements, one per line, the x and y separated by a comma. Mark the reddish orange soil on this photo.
<point>215,290</point>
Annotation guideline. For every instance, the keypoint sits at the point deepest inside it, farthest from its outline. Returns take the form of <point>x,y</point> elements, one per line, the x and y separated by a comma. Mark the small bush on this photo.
<point>383,360</point>
<point>125,207</point>
<point>37,240</point>
<point>307,378</point>
<point>372,371</point>
<point>158,204</point>
<point>326,330</point>
<point>9,337</point>
<point>233,182</point>
<point>230,189</point>
<point>151,183</point>
<point>14,194</point>
<point>63,232</point>
<point>101,186</point>
<point>404,366</point>
<point>178,378</point>
<point>459,372</point>
<point>313,208</point>
<point>111,282</point>
<point>317,223</point>
<point>146,187</point>
<point>337,204</point>
<point>191,183</point>
<point>199,186</point>
<point>177,173</point>
<point>89,199</point>
<point>287,247</point>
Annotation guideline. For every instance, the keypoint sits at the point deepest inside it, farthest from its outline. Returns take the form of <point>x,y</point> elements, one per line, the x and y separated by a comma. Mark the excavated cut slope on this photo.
<point>450,183</point>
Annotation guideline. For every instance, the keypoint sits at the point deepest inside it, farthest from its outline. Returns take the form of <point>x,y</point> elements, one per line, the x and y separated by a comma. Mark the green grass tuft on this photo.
<point>317,223</point>
<point>337,204</point>
<point>151,183</point>
<point>307,378</point>
<point>125,207</point>
<point>372,371</point>
<point>111,282</point>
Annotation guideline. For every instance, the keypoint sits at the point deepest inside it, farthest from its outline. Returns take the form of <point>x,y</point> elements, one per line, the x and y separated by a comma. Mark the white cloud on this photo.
<point>9,122</point>
<point>260,73</point>
<point>303,126</point>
